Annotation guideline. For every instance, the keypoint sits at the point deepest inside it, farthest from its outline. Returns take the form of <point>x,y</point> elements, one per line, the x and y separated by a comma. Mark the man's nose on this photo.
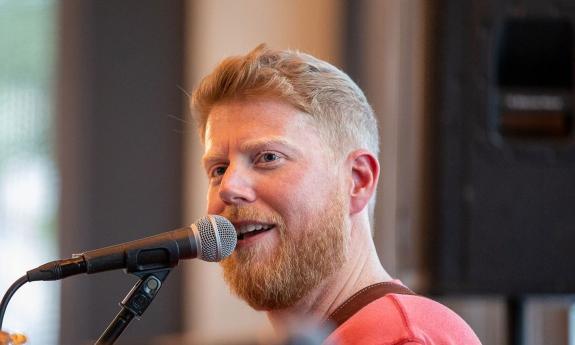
<point>236,186</point>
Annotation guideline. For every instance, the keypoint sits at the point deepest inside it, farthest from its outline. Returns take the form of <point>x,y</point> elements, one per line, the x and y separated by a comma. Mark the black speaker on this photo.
<point>504,147</point>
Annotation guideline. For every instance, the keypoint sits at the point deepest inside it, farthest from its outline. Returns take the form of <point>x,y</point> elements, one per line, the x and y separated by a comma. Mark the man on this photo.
<point>291,148</point>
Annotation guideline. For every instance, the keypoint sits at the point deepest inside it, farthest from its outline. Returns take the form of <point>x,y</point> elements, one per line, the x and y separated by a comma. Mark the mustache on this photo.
<point>236,213</point>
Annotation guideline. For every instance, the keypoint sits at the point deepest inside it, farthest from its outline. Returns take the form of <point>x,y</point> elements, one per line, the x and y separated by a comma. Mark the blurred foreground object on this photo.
<point>12,339</point>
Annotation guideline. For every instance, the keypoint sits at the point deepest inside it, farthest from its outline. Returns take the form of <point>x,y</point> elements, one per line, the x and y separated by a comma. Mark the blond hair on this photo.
<point>345,119</point>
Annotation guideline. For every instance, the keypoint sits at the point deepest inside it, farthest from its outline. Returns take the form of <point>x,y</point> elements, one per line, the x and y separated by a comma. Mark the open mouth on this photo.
<point>250,230</point>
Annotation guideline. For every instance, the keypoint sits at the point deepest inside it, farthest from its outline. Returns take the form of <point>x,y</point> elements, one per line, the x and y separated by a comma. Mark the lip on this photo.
<point>254,238</point>
<point>249,227</point>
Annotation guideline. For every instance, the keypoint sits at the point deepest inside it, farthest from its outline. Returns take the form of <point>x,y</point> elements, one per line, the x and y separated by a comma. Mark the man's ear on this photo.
<point>364,176</point>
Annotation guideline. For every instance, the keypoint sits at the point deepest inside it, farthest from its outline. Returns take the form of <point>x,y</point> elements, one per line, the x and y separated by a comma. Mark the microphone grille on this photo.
<point>218,238</point>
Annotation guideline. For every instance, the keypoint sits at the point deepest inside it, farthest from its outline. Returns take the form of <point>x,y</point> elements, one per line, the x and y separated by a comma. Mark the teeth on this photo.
<point>253,227</point>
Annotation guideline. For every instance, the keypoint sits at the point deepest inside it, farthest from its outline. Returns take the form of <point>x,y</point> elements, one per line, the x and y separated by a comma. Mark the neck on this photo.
<point>361,269</point>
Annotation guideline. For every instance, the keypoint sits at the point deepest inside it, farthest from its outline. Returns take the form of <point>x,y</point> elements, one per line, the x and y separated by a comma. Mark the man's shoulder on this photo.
<point>397,318</point>
<point>429,319</point>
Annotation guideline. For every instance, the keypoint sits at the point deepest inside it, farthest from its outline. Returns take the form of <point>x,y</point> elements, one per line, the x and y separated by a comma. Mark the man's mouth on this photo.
<point>252,229</point>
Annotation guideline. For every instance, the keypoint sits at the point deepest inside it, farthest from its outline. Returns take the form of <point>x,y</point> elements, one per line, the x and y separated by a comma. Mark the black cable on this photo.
<point>8,295</point>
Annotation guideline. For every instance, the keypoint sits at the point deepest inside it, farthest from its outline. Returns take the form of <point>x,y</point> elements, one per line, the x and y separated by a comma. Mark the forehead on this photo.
<point>254,118</point>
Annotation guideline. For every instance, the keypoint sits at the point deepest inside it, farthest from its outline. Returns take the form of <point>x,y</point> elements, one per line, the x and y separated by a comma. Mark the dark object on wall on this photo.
<point>504,147</point>
<point>119,152</point>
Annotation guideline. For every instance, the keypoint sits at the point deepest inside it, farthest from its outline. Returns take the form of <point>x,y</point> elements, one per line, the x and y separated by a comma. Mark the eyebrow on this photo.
<point>252,145</point>
<point>255,144</point>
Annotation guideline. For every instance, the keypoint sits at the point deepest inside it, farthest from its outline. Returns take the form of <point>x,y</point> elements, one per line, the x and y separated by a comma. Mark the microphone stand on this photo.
<point>134,304</point>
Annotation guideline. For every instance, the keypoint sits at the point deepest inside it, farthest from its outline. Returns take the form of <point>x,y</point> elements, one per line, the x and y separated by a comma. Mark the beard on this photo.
<point>277,278</point>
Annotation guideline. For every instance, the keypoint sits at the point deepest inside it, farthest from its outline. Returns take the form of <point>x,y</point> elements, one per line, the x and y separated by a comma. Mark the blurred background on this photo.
<point>475,105</point>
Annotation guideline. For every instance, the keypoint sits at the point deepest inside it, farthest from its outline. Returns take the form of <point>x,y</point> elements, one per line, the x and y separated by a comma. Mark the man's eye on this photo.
<point>218,171</point>
<point>269,157</point>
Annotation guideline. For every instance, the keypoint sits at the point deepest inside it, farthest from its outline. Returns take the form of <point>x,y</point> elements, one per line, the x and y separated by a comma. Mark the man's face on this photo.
<point>273,177</point>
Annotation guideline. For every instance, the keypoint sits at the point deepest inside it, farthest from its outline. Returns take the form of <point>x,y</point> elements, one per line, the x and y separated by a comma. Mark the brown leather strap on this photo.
<point>362,298</point>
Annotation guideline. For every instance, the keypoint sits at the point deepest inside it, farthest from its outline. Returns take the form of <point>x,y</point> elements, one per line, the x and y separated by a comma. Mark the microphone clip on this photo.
<point>135,303</point>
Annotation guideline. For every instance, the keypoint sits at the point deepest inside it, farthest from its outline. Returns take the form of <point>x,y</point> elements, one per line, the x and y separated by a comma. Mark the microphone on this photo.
<point>211,238</point>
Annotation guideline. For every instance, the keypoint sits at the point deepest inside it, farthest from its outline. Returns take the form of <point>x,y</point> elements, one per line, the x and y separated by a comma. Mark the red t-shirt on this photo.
<point>397,319</point>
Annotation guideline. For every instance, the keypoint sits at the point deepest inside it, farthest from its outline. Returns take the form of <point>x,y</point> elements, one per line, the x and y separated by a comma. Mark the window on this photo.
<point>28,175</point>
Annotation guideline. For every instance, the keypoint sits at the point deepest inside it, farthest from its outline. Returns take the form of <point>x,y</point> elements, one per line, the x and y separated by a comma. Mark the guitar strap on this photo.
<point>362,298</point>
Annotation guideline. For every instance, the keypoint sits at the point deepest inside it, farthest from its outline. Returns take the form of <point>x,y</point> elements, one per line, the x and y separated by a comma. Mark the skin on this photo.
<point>266,154</point>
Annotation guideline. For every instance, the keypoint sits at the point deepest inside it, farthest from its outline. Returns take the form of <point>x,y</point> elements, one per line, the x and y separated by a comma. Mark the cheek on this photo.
<point>299,194</point>
<point>214,203</point>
